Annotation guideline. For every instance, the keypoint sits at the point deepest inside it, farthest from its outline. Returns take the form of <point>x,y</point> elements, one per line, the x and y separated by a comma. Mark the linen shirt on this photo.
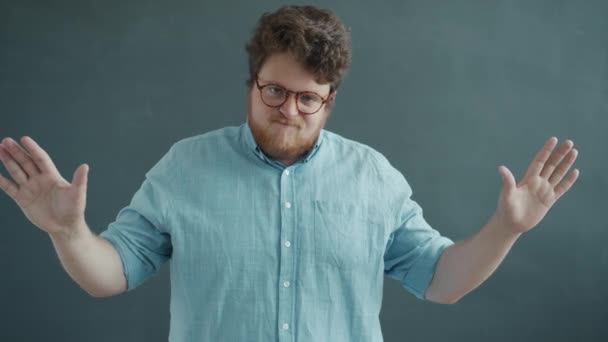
<point>263,252</point>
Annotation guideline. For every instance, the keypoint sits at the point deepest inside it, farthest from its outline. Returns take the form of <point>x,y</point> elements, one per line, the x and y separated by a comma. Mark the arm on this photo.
<point>466,264</point>
<point>91,261</point>
<point>57,207</point>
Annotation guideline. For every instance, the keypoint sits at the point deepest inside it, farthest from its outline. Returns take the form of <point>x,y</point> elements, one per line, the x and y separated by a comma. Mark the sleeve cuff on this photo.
<point>419,277</point>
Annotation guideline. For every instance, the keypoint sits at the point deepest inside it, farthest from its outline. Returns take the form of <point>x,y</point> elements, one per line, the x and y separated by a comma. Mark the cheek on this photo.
<point>256,110</point>
<point>314,123</point>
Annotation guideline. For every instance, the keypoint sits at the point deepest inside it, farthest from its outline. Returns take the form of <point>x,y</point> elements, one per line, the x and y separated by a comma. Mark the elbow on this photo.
<point>96,293</point>
<point>102,293</point>
<point>107,289</point>
<point>444,299</point>
<point>451,300</point>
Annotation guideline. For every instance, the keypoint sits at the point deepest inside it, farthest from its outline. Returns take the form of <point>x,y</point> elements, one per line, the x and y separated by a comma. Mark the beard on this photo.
<point>281,139</point>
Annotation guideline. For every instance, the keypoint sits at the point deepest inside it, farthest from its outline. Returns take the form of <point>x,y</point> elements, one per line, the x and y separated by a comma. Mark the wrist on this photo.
<point>502,228</point>
<point>71,232</point>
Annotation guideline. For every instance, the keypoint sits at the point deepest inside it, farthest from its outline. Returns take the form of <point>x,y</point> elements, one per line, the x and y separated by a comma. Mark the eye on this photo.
<point>275,90</point>
<point>310,98</point>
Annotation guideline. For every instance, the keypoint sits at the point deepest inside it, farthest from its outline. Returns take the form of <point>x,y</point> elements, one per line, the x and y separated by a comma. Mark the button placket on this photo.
<point>287,257</point>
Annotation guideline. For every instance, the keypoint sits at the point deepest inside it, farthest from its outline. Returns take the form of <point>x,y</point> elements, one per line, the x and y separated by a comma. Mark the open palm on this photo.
<point>523,205</point>
<point>45,197</point>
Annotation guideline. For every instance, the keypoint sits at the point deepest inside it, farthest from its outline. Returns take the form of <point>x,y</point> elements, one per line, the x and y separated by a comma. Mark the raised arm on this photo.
<point>466,264</point>
<point>57,207</point>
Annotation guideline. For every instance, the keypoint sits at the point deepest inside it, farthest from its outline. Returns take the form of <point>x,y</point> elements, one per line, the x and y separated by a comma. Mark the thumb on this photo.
<point>80,177</point>
<point>508,181</point>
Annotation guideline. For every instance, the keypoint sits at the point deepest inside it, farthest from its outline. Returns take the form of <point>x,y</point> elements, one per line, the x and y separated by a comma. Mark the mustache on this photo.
<point>284,121</point>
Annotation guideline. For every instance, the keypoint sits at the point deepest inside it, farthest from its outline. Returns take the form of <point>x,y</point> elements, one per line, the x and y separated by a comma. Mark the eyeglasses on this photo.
<point>274,95</point>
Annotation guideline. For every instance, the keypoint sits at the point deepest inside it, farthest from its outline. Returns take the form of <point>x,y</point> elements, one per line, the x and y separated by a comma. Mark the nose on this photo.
<point>290,106</point>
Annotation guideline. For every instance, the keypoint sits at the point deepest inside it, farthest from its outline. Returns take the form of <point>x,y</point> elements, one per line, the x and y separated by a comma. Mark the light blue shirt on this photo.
<point>263,252</point>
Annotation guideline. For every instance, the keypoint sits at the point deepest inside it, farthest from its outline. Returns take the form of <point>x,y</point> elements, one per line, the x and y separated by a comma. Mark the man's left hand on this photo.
<point>523,205</point>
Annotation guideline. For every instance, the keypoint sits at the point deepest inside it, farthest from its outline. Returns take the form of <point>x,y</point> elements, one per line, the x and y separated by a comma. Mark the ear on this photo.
<point>332,97</point>
<point>331,101</point>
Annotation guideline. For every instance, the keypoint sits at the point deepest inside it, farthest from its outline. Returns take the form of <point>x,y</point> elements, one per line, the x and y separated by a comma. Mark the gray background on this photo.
<point>448,91</point>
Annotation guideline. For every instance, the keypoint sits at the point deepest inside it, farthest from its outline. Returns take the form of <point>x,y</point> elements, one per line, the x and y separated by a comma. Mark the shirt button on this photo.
<point>286,284</point>
<point>285,326</point>
<point>288,205</point>
<point>286,172</point>
<point>287,244</point>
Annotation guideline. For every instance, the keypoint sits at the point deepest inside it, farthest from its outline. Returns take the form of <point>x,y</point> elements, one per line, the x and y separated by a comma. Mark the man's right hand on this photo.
<point>45,197</point>
<point>57,207</point>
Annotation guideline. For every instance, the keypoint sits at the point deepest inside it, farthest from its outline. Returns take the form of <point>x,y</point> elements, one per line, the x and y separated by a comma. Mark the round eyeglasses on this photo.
<point>274,95</point>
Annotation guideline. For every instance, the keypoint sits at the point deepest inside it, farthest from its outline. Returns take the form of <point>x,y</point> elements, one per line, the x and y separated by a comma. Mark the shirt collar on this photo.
<point>251,146</point>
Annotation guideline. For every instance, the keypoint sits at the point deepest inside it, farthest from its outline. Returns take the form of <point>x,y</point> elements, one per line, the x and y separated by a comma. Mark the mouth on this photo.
<point>285,123</point>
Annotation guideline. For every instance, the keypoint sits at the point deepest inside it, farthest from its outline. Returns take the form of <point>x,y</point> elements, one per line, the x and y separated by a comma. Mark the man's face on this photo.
<point>284,133</point>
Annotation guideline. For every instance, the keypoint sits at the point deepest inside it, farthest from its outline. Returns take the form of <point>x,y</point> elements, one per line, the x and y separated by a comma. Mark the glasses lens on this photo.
<point>273,95</point>
<point>309,102</point>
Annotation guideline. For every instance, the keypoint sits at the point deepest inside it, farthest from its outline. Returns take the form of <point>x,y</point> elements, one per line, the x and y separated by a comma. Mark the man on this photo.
<point>278,229</point>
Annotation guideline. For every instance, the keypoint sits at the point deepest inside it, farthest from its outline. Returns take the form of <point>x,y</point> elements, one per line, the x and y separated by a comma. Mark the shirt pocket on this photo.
<point>343,235</point>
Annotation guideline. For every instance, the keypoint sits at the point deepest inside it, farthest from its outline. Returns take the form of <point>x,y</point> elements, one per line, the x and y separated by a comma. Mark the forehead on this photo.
<point>283,69</point>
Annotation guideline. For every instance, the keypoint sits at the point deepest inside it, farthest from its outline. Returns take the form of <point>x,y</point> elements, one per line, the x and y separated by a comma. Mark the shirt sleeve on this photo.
<point>139,234</point>
<point>414,247</point>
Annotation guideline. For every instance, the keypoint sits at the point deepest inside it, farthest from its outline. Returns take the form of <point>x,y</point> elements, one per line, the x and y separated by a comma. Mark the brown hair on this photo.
<point>315,37</point>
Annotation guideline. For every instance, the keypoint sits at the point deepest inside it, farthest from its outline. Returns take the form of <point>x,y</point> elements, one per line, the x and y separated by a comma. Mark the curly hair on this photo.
<point>315,37</point>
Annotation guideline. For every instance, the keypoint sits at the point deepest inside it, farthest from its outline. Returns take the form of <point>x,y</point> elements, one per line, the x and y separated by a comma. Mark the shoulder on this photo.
<point>337,143</point>
<point>366,159</point>
<point>351,150</point>
<point>191,151</point>
<point>209,139</point>
<point>204,147</point>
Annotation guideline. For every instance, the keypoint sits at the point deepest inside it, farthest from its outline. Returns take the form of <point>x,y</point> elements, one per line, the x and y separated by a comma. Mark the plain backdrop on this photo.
<point>447,90</point>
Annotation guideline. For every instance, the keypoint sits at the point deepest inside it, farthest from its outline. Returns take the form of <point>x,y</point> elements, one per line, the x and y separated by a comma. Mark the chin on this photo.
<point>280,139</point>
<point>284,145</point>
<point>285,148</point>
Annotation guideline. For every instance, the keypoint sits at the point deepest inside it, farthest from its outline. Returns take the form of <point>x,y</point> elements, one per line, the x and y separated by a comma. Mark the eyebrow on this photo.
<point>281,85</point>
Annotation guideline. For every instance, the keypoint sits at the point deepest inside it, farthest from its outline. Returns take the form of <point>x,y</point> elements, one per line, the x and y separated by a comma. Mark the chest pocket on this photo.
<point>344,236</point>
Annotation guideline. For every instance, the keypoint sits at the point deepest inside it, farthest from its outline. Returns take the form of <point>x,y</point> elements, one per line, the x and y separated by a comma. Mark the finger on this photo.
<point>8,187</point>
<point>40,157</point>
<point>508,180</point>
<point>556,158</point>
<point>21,157</point>
<point>80,177</point>
<point>541,157</point>
<point>563,167</point>
<point>565,184</point>
<point>13,168</point>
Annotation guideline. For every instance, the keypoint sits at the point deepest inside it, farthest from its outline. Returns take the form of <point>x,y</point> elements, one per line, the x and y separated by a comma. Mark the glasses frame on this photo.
<point>296,93</point>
